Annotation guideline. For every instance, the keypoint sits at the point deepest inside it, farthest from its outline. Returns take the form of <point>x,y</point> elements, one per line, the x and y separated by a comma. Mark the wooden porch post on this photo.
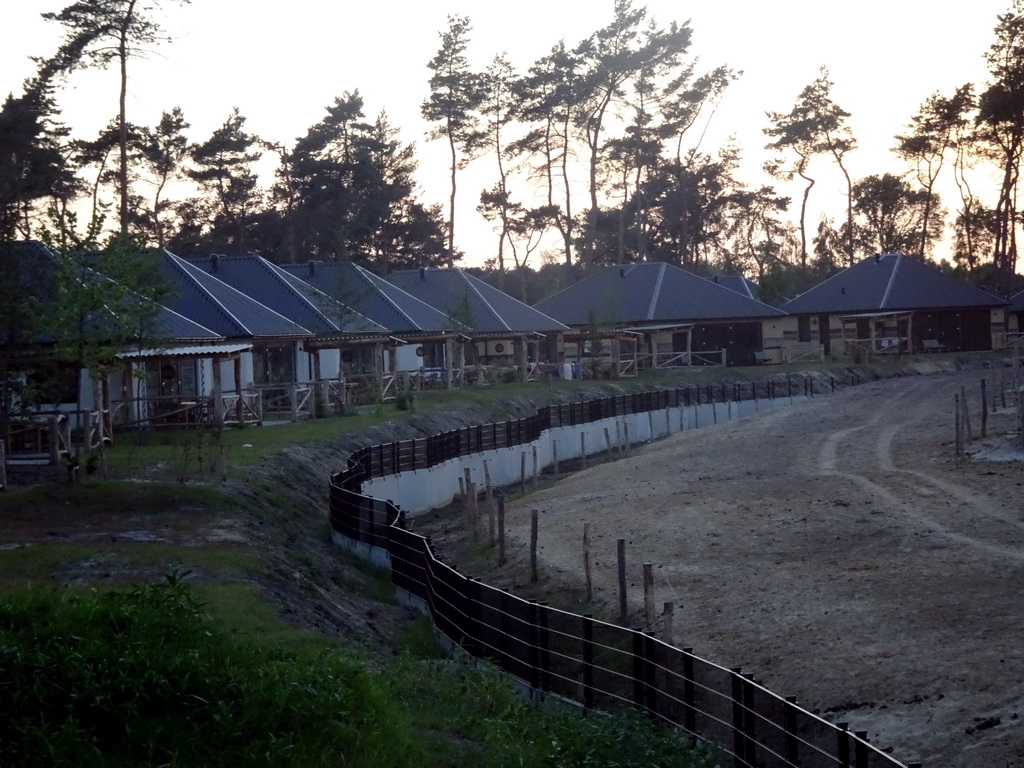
<point>616,357</point>
<point>689,346</point>
<point>218,393</point>
<point>519,345</point>
<point>392,362</point>
<point>318,394</point>
<point>54,441</point>
<point>239,406</point>
<point>910,334</point>
<point>106,414</point>
<point>131,391</point>
<point>378,366</point>
<point>449,351</point>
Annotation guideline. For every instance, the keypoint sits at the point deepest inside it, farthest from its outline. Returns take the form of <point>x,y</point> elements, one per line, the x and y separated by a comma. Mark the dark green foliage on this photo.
<point>496,727</point>
<point>560,738</point>
<point>405,400</point>
<point>140,678</point>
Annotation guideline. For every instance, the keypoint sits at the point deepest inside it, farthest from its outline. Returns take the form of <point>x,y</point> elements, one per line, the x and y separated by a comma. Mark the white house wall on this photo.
<point>406,358</point>
<point>422,490</point>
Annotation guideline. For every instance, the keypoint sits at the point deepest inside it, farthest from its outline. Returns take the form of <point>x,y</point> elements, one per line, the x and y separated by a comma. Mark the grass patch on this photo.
<point>143,678</point>
<point>70,563</point>
<point>476,717</point>
<point>111,496</point>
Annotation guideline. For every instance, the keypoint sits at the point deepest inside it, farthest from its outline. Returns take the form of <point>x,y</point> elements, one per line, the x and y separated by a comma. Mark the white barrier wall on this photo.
<point>422,490</point>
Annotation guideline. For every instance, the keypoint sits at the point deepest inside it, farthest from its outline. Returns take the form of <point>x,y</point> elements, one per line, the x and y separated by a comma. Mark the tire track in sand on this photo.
<point>903,490</point>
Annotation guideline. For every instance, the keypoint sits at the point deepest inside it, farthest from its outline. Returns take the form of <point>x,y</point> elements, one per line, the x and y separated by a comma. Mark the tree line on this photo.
<point>625,109</point>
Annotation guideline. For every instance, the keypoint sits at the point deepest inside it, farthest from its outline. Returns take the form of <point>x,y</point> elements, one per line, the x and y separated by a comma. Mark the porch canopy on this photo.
<point>221,407</point>
<point>620,366</point>
<point>887,332</point>
<point>671,358</point>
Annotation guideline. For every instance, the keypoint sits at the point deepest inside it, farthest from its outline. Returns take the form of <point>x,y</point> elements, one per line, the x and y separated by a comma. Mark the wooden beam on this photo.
<point>239,405</point>
<point>218,393</point>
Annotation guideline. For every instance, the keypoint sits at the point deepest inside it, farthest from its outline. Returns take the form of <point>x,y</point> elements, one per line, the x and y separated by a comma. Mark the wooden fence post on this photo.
<point>474,509</point>
<point>984,410</point>
<point>843,744</point>
<point>689,692</point>
<point>648,595</point>
<point>489,498</point>
<point>536,471</point>
<point>667,623</point>
<point>956,418</point>
<point>583,450</point>
<point>586,562</point>
<point>789,728</point>
<point>621,557</point>
<point>501,529</point>
<point>638,667</point>
<point>968,432</point>
<point>534,522</point>
<point>618,436</point>
<point>467,509</point>
<point>588,662</point>
<point>625,432</point>
<point>554,458</point>
<point>860,749</point>
<point>522,471</point>
<point>608,440</point>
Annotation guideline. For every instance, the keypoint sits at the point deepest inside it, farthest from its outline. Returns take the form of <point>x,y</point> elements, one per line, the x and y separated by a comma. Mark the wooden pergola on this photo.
<point>621,366</point>
<point>672,358</point>
<point>222,406</point>
<point>878,341</point>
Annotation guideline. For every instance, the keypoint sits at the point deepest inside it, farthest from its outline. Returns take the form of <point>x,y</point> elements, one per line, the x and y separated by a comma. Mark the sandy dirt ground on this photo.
<point>838,551</point>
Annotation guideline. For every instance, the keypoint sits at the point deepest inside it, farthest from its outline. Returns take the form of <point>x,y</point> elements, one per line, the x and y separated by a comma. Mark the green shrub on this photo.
<point>405,400</point>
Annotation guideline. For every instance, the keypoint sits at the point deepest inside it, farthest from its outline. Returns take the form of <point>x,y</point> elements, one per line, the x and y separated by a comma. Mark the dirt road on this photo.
<point>837,550</point>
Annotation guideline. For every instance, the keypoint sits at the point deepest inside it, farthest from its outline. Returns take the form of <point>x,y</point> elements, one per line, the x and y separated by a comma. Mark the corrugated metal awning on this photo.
<point>873,315</point>
<point>197,350</point>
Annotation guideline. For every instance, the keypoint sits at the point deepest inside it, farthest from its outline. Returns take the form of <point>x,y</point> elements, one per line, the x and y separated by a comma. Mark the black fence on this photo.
<point>597,664</point>
<point>422,453</point>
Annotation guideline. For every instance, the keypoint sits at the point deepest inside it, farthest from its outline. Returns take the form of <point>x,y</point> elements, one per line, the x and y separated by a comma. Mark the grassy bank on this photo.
<point>154,676</point>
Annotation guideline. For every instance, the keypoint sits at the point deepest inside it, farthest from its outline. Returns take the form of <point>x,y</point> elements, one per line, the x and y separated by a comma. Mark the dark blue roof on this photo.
<point>1017,302</point>
<point>889,282</point>
<point>738,283</point>
<point>471,301</point>
<point>398,311</point>
<point>650,293</point>
<point>293,298</point>
<point>216,305</point>
<point>36,265</point>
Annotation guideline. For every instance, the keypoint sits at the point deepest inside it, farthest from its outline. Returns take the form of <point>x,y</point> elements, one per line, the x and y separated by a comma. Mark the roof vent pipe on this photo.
<point>878,257</point>
<point>312,267</point>
<point>622,271</point>
<point>423,273</point>
<point>716,279</point>
<point>214,261</point>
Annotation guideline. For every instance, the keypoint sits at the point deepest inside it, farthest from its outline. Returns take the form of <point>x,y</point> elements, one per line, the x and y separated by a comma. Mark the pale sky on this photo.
<point>281,64</point>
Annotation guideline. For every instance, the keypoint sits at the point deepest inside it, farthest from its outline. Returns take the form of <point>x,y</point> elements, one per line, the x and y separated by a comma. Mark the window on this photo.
<point>273,364</point>
<point>803,327</point>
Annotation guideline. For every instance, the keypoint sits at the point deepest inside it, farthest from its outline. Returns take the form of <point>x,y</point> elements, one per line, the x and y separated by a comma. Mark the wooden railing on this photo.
<point>674,359</point>
<point>292,400</point>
